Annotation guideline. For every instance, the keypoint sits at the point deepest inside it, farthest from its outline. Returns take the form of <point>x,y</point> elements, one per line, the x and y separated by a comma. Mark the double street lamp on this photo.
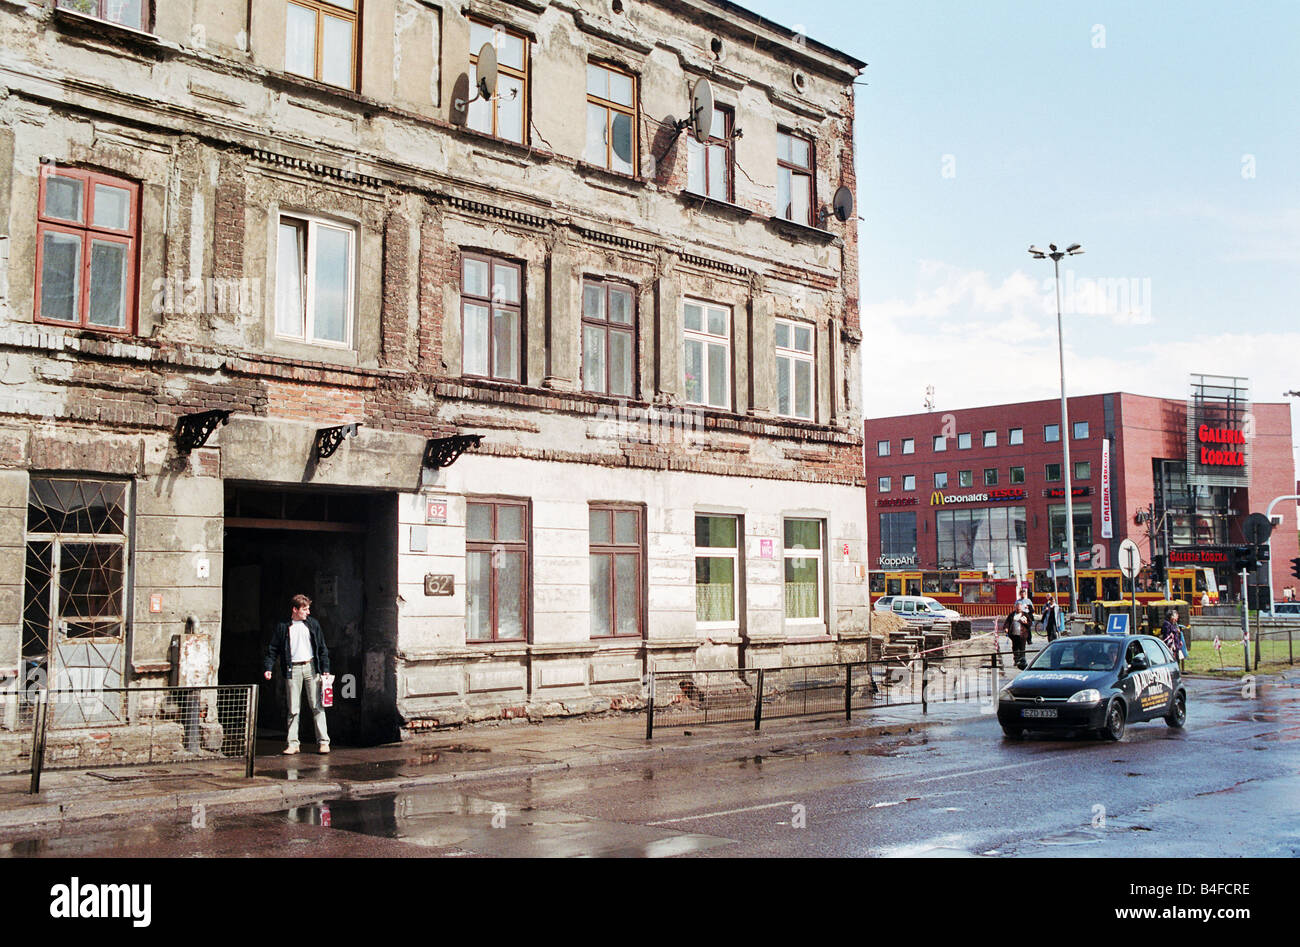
<point>1073,249</point>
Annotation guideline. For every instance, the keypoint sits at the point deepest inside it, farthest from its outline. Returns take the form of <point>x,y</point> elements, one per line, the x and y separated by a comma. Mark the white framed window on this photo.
<point>909,445</point>
<point>940,480</point>
<point>1051,432</point>
<point>883,484</point>
<point>882,448</point>
<point>940,443</point>
<point>963,441</point>
<point>1080,430</point>
<point>1016,436</point>
<point>794,370</point>
<point>315,280</point>
<point>717,570</point>
<point>909,482</point>
<point>990,438</point>
<point>707,337</point>
<point>804,554</point>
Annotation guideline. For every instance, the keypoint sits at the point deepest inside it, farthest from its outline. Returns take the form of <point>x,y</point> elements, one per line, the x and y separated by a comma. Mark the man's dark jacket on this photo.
<point>320,656</point>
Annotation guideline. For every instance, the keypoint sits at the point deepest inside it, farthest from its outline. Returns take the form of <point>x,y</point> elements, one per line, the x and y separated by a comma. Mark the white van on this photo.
<point>921,609</point>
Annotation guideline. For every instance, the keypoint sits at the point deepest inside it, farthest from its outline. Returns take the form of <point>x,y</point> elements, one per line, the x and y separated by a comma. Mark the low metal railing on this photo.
<point>731,695</point>
<point>72,728</point>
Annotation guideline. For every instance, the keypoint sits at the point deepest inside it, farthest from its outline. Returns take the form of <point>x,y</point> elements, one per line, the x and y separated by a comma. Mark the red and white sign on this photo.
<point>1107,524</point>
<point>435,510</point>
<point>765,548</point>
<point>155,602</point>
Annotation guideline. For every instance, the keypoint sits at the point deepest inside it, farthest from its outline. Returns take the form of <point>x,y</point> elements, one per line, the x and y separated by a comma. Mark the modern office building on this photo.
<point>961,491</point>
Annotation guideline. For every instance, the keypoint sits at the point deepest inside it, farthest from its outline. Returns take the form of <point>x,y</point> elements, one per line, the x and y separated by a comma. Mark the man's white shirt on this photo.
<point>299,642</point>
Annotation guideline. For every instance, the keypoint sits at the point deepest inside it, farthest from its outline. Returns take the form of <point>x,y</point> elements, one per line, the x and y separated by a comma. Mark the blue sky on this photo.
<point>1165,137</point>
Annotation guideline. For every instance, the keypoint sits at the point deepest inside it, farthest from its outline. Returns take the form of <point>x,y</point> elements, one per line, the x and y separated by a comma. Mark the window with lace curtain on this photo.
<point>717,569</point>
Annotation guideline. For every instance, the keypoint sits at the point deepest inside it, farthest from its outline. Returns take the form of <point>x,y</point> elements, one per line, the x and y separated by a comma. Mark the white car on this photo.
<point>921,609</point>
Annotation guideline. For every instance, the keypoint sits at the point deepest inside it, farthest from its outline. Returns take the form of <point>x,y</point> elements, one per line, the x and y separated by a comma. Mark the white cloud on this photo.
<point>984,344</point>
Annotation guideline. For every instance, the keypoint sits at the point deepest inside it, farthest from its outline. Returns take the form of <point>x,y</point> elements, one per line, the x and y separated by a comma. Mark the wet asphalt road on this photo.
<point>1228,785</point>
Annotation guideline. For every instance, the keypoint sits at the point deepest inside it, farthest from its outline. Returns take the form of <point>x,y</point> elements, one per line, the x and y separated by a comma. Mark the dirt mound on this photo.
<point>882,623</point>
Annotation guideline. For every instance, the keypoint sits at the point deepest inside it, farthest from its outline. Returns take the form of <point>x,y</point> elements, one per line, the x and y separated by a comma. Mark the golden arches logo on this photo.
<point>936,498</point>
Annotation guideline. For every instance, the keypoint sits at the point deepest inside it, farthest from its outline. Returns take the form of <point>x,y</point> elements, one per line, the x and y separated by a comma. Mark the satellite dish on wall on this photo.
<point>487,71</point>
<point>702,109</point>
<point>843,203</point>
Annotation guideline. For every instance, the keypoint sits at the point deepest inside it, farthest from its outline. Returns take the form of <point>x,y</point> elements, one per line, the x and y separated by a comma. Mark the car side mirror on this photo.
<point>1139,663</point>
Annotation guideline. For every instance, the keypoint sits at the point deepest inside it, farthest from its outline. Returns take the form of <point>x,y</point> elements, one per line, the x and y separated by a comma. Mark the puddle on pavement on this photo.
<point>445,819</point>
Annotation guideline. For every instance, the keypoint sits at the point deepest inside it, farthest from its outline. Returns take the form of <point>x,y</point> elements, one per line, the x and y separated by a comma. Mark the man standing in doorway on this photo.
<point>299,645</point>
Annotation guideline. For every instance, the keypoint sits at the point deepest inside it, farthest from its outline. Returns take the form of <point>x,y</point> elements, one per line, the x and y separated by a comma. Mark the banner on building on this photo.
<point>1107,526</point>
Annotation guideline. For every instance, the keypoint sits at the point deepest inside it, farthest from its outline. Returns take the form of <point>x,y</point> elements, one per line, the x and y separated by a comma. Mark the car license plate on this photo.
<point>1038,712</point>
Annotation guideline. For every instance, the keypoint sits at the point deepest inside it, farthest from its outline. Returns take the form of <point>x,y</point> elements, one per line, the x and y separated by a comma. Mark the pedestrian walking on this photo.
<point>1172,633</point>
<point>299,645</point>
<point>1026,602</point>
<point>1017,630</point>
<point>1052,618</point>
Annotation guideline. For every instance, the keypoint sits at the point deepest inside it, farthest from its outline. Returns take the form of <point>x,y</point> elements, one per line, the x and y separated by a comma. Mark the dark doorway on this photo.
<point>339,549</point>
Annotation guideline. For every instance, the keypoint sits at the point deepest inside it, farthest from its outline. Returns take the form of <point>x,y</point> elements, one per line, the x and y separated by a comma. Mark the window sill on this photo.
<point>715,205</point>
<point>513,148</point>
<point>793,228</point>
<point>625,183</point>
<point>291,82</point>
<point>92,27</point>
<point>75,330</point>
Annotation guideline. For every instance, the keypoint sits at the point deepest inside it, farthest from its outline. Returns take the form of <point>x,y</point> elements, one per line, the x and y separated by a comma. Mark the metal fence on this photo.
<point>69,729</point>
<point>701,697</point>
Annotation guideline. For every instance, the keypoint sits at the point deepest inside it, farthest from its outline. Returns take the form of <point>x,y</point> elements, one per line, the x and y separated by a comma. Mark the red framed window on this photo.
<point>496,584</point>
<point>709,162</point>
<point>491,323</point>
<point>795,195</point>
<point>86,254</point>
<point>608,338</point>
<point>617,553</point>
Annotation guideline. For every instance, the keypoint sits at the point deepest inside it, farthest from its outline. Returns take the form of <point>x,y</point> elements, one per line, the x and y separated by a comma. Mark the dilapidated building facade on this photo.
<point>528,392</point>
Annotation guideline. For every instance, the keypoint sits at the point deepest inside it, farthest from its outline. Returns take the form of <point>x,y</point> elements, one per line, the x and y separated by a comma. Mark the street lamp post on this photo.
<point>1073,249</point>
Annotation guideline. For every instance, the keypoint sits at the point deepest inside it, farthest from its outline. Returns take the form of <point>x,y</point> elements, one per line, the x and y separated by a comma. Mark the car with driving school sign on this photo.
<point>1096,683</point>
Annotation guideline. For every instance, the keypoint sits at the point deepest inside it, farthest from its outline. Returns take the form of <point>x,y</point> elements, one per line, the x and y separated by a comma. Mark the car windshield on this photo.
<point>934,606</point>
<point>1078,656</point>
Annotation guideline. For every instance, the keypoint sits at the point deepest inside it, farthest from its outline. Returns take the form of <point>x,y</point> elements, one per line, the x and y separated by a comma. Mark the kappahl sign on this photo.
<point>939,498</point>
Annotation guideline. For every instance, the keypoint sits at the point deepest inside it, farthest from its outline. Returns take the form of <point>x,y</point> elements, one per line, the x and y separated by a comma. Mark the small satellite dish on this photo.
<point>487,71</point>
<point>843,203</point>
<point>702,109</point>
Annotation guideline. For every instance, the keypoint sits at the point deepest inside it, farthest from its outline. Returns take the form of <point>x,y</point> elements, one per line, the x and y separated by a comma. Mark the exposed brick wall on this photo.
<point>393,318</point>
<point>439,266</point>
<point>228,219</point>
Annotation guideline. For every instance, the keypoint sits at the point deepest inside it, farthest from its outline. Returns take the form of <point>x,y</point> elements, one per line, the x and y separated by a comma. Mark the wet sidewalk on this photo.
<point>494,750</point>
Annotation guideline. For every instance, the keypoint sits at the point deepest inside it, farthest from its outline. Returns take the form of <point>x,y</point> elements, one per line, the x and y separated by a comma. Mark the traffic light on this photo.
<point>1295,567</point>
<point>1158,569</point>
<point>1243,557</point>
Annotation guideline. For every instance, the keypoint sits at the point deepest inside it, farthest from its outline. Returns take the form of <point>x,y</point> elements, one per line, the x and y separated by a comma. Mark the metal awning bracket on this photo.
<point>442,452</point>
<point>193,430</point>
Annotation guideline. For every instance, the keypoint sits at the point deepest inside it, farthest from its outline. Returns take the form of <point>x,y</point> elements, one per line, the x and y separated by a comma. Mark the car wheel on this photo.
<point>1114,729</point>
<point>1013,733</point>
<point>1177,715</point>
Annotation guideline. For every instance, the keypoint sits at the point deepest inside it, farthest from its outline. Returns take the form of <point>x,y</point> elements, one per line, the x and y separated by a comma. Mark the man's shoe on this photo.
<point>289,750</point>
<point>324,748</point>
